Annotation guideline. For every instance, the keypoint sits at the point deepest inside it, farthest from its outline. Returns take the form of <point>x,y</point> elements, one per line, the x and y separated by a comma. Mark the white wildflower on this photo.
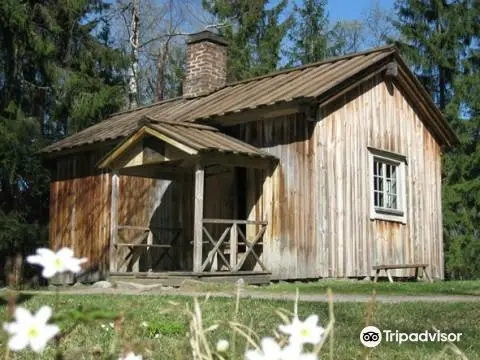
<point>144,324</point>
<point>222,345</point>
<point>271,350</point>
<point>31,330</point>
<point>131,356</point>
<point>56,263</point>
<point>304,332</point>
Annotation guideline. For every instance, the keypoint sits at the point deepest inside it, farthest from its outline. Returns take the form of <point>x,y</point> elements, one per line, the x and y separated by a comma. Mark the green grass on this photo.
<point>382,288</point>
<point>87,340</point>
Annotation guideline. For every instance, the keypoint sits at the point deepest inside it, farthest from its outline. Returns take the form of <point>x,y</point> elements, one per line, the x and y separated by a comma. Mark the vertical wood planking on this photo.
<point>114,219</point>
<point>198,218</point>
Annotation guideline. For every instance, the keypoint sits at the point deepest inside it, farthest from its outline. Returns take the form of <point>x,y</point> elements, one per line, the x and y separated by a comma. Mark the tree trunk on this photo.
<point>134,40</point>
<point>161,68</point>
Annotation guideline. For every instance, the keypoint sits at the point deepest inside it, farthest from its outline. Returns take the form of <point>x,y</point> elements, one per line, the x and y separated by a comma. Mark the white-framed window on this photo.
<point>388,185</point>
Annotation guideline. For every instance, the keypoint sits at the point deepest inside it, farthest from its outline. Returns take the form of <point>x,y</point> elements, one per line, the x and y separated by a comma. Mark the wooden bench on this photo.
<point>387,269</point>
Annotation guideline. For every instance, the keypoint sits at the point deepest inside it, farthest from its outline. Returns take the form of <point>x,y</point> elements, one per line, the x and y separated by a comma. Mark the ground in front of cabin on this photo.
<point>149,328</point>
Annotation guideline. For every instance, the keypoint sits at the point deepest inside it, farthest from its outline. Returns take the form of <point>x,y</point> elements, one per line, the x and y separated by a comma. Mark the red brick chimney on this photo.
<point>206,64</point>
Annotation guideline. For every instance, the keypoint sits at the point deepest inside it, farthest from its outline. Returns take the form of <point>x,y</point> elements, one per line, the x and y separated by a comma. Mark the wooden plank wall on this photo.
<point>283,195</point>
<point>376,114</point>
<point>80,198</point>
<point>317,200</point>
<point>80,209</point>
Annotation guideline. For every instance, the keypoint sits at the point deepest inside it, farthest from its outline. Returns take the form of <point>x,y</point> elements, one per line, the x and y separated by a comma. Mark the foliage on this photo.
<point>58,75</point>
<point>347,37</point>
<point>164,328</point>
<point>254,33</point>
<point>309,33</point>
<point>440,39</point>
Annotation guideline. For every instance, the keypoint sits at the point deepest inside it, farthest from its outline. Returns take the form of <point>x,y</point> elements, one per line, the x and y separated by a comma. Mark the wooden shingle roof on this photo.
<point>305,83</point>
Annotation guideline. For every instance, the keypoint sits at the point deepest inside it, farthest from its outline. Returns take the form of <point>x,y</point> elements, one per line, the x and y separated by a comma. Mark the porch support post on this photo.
<point>114,219</point>
<point>198,217</point>
<point>233,245</point>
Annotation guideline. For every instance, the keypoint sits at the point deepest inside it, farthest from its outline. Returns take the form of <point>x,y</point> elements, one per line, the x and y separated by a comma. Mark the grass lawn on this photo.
<point>93,341</point>
<point>382,288</point>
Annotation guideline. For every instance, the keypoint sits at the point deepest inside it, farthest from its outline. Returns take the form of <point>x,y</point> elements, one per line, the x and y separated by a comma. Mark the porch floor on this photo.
<point>176,278</point>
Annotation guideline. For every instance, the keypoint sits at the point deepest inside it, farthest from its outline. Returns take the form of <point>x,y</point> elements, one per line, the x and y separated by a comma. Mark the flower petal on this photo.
<point>11,328</point>
<point>43,315</point>
<point>46,253</point>
<point>286,329</point>
<point>22,315</point>
<point>17,342</point>
<point>38,343</point>
<point>49,271</point>
<point>35,259</point>
<point>254,355</point>
<point>311,321</point>
<point>65,253</point>
<point>270,348</point>
<point>73,266</point>
<point>50,331</point>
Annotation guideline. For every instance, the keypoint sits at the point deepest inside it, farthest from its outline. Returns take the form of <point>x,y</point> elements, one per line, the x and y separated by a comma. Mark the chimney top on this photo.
<point>206,35</point>
<point>206,64</point>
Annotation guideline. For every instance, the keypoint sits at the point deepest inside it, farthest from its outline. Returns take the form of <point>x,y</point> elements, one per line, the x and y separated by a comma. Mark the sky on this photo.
<point>353,9</point>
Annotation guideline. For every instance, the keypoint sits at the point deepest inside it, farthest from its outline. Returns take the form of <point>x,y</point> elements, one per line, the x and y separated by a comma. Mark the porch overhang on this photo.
<point>163,149</point>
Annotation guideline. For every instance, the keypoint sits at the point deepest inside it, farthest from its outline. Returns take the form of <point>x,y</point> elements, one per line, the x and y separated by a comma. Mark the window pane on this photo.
<point>380,184</point>
<point>385,184</point>
<point>393,199</point>
<point>393,189</point>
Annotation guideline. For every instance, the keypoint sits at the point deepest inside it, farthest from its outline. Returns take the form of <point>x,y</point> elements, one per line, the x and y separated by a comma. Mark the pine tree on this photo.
<point>429,30</point>
<point>440,40</point>
<point>309,33</point>
<point>254,33</point>
<point>461,200</point>
<point>58,75</point>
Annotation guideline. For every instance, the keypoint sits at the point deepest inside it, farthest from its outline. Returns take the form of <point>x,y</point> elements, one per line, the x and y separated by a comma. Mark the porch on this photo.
<point>207,172</point>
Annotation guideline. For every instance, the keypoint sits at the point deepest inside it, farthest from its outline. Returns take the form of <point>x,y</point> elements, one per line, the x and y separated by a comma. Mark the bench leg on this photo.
<point>389,276</point>
<point>376,275</point>
<point>416,273</point>
<point>427,275</point>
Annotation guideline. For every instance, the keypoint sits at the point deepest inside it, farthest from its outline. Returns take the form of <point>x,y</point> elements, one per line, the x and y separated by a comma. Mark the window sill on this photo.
<point>389,215</point>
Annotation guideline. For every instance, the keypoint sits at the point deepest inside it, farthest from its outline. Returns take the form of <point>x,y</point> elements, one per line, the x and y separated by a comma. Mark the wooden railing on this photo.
<point>230,238</point>
<point>141,244</point>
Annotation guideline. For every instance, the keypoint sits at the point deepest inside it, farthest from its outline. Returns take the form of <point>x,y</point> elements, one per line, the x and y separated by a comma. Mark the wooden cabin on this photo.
<point>324,170</point>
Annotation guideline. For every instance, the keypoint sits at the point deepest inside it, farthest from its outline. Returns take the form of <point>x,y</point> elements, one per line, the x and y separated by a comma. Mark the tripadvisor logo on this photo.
<point>371,336</point>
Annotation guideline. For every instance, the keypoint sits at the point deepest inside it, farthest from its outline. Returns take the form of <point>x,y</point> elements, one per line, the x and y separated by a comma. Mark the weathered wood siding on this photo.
<point>80,200</point>
<point>317,200</point>
<point>80,208</point>
<point>284,195</point>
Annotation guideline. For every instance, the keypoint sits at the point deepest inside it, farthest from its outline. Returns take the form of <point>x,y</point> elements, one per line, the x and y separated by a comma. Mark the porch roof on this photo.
<point>190,138</point>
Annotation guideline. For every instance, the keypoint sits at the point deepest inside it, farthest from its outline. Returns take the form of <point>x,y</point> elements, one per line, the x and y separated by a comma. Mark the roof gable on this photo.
<point>183,140</point>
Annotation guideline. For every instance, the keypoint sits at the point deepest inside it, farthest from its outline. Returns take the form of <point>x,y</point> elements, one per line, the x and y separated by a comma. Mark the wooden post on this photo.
<point>114,219</point>
<point>233,245</point>
<point>198,218</point>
